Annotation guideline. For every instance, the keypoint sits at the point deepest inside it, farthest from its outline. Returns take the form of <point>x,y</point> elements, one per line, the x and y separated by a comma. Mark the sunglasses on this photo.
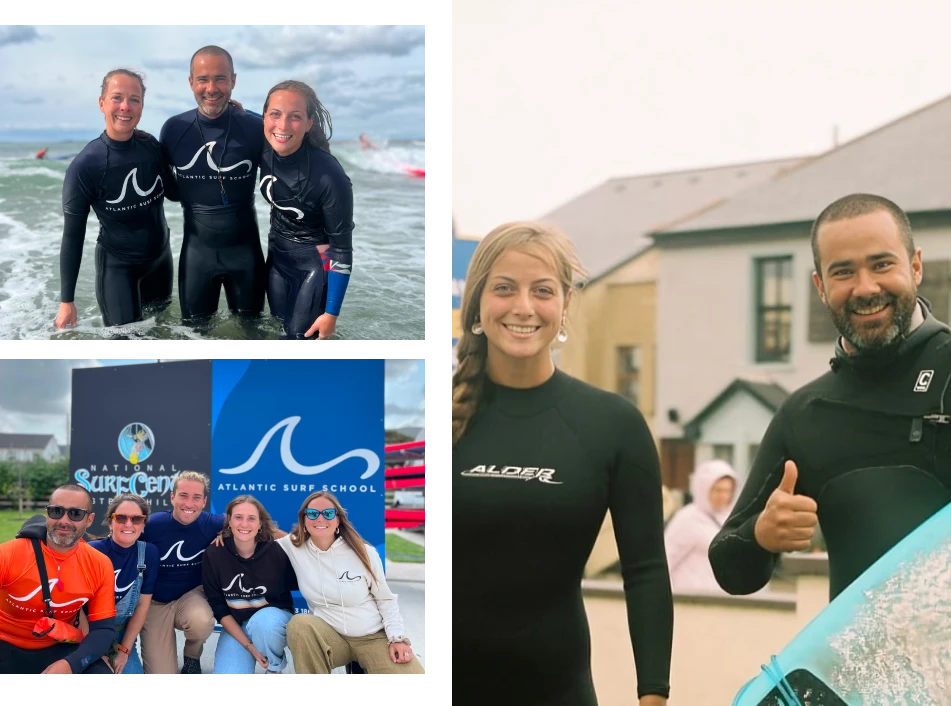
<point>134,519</point>
<point>328,514</point>
<point>56,512</point>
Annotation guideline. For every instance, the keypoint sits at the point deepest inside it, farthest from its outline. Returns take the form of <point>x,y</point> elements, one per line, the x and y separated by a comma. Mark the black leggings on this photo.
<point>123,288</point>
<point>221,250</point>
<point>16,660</point>
<point>297,285</point>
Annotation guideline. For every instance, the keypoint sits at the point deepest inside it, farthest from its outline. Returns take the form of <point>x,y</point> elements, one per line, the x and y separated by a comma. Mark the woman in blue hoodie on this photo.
<point>248,583</point>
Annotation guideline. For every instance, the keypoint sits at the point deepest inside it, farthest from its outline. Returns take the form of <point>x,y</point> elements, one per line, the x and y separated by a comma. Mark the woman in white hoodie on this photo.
<point>690,531</point>
<point>353,614</point>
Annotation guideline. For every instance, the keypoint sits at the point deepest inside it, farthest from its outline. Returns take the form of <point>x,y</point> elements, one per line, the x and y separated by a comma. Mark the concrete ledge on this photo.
<point>814,564</point>
<point>615,589</point>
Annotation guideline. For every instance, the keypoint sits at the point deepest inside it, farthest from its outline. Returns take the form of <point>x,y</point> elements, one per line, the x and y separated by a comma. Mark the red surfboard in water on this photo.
<point>414,171</point>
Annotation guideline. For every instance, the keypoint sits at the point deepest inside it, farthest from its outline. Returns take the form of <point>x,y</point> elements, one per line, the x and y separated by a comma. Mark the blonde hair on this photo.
<point>537,239</point>
<point>345,528</point>
<point>193,476</point>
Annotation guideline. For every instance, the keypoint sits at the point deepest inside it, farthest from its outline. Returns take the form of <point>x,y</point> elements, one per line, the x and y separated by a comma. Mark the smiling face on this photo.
<point>321,529</point>
<point>868,282</point>
<point>245,521</point>
<point>188,500</point>
<point>521,309</point>
<point>64,533</point>
<point>122,106</point>
<point>212,81</point>
<point>285,121</point>
<point>128,533</point>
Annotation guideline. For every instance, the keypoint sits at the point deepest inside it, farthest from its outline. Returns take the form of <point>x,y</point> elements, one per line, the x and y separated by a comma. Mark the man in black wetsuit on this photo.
<point>215,150</point>
<point>864,449</point>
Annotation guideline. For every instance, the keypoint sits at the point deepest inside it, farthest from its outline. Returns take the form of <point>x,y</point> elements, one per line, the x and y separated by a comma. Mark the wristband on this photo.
<point>122,648</point>
<point>248,646</point>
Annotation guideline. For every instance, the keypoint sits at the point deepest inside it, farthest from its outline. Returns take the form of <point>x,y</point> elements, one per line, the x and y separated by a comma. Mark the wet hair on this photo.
<point>76,487</point>
<point>267,524</point>
<point>319,135</point>
<point>137,134</point>
<point>211,50</point>
<point>345,528</point>
<point>855,205</point>
<point>125,498</point>
<point>536,239</point>
<point>194,476</point>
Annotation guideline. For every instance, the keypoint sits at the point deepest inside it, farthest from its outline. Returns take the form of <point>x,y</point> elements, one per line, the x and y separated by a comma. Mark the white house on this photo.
<point>735,299</point>
<point>25,447</point>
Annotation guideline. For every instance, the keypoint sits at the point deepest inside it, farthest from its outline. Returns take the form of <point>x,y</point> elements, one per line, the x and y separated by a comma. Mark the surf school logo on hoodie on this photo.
<point>149,196</point>
<point>542,475</point>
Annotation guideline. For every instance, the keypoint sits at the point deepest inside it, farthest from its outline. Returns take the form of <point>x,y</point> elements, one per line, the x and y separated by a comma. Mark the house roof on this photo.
<point>907,160</point>
<point>609,224</point>
<point>770,395</point>
<point>25,441</point>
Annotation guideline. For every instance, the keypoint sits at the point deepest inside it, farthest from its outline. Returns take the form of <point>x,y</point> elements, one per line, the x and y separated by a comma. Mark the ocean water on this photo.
<point>385,299</point>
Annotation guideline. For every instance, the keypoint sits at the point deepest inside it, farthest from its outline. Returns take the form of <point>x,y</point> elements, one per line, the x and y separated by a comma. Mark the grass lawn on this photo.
<point>10,525</point>
<point>399,549</point>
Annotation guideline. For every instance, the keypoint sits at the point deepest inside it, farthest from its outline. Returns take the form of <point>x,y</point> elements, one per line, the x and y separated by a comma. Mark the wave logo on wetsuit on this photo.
<point>208,146</point>
<point>178,551</point>
<point>135,185</point>
<point>53,604</point>
<point>289,424</point>
<point>269,180</point>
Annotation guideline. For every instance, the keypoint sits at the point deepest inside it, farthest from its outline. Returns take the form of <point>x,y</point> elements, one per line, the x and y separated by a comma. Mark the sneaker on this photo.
<point>191,666</point>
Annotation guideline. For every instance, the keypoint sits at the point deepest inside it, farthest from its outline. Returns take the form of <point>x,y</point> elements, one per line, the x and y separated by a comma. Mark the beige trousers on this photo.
<point>318,649</point>
<point>191,614</point>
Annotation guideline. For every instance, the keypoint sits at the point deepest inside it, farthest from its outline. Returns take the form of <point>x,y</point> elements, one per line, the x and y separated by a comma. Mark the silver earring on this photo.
<point>562,335</point>
<point>477,328</point>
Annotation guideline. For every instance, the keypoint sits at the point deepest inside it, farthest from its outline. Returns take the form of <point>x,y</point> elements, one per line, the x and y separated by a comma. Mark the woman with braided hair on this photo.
<point>520,632</point>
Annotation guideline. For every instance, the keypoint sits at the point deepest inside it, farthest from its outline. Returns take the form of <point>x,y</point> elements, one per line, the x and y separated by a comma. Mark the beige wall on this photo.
<point>717,646</point>
<point>705,321</point>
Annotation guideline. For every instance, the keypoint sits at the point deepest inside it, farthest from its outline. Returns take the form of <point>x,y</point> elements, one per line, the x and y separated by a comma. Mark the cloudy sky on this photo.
<point>559,100</point>
<point>370,78</point>
<point>35,394</point>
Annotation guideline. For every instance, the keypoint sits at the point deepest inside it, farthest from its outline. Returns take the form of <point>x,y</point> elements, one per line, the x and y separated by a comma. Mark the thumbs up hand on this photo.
<point>788,521</point>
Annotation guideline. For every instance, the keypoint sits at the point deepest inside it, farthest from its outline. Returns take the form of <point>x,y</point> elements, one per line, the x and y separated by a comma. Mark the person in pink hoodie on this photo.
<point>690,531</point>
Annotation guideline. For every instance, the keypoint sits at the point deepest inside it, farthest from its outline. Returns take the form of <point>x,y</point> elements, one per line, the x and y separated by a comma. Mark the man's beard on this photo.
<point>211,111</point>
<point>64,543</point>
<point>874,340</point>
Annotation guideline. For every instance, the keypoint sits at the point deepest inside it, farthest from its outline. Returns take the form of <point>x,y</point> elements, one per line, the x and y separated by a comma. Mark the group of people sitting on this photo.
<point>70,607</point>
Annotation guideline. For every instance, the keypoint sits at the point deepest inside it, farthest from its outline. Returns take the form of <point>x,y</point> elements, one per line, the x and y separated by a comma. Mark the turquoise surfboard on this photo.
<point>885,640</point>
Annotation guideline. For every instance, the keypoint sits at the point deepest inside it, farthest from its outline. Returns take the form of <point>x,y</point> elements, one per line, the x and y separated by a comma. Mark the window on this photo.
<point>723,452</point>
<point>773,308</point>
<point>629,372</point>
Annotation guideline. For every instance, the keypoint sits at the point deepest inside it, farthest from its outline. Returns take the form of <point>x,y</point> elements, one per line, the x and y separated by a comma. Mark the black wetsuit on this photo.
<point>872,444</point>
<point>125,183</point>
<point>531,482</point>
<point>311,207</point>
<point>222,245</point>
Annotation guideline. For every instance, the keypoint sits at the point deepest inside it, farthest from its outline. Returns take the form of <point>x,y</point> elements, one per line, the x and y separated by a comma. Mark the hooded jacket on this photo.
<point>337,589</point>
<point>240,587</point>
<point>690,531</point>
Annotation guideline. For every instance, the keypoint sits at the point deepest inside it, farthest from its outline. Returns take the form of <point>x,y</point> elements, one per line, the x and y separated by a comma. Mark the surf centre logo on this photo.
<point>542,475</point>
<point>269,180</point>
<point>135,185</point>
<point>208,146</point>
<point>924,380</point>
<point>136,442</point>
<point>123,588</point>
<point>345,576</point>
<point>289,424</point>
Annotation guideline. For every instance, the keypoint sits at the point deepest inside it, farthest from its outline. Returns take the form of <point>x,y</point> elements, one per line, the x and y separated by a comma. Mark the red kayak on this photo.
<point>413,171</point>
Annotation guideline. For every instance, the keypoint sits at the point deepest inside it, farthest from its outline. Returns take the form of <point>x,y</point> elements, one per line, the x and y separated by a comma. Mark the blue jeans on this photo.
<point>134,664</point>
<point>266,628</point>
